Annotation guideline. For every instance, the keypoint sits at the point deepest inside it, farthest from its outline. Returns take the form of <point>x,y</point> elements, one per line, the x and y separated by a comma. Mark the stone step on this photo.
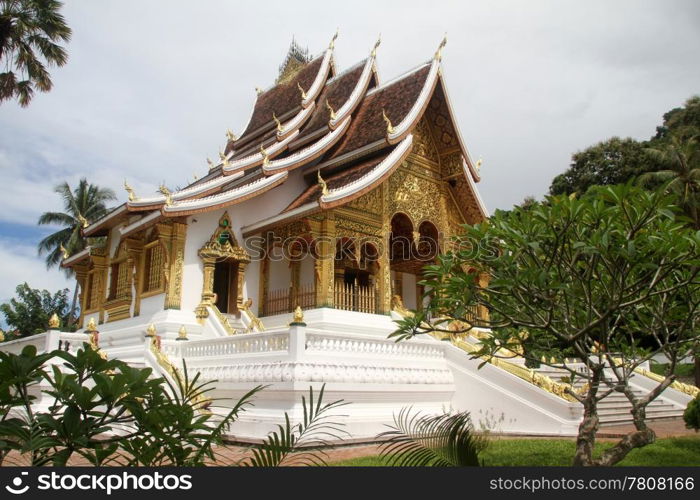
<point>609,422</point>
<point>609,412</point>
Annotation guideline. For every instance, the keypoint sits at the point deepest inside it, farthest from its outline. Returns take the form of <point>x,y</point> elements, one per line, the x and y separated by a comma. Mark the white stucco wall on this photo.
<point>408,292</point>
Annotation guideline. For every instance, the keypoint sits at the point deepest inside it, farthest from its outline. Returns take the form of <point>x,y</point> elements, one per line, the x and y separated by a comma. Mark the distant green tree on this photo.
<point>679,119</point>
<point>30,33</point>
<point>86,203</point>
<point>30,311</point>
<point>614,161</point>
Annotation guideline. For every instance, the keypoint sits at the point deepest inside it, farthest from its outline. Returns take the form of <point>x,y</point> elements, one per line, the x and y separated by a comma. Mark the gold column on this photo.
<point>101,267</point>
<point>264,278</point>
<point>239,284</point>
<point>173,290</point>
<point>208,263</point>
<point>136,255</point>
<point>384,261</point>
<point>324,234</point>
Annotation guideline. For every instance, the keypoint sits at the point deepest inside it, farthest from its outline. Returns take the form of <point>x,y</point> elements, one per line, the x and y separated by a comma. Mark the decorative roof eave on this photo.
<point>295,123</point>
<point>76,258</point>
<point>196,190</point>
<point>385,168</point>
<point>321,77</point>
<point>472,186</point>
<point>398,132</point>
<point>465,151</point>
<point>141,223</point>
<point>104,222</point>
<point>356,96</point>
<point>257,158</point>
<point>308,153</point>
<point>307,209</point>
<point>225,199</point>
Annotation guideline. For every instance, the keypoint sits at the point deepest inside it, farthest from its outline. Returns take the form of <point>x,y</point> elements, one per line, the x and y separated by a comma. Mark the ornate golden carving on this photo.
<point>54,322</point>
<point>168,195</point>
<point>423,144</point>
<point>330,110</point>
<point>322,183</point>
<point>303,94</point>
<point>389,127</point>
<point>130,190</point>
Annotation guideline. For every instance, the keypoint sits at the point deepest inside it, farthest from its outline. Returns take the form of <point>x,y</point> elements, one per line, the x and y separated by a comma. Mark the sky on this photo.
<point>151,87</point>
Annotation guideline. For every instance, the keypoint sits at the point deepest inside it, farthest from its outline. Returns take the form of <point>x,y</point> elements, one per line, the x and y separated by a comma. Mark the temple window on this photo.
<point>153,267</point>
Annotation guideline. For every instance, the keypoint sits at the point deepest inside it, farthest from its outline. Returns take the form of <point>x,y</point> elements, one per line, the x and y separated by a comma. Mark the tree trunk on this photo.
<point>697,369</point>
<point>71,314</point>
<point>585,440</point>
<point>642,437</point>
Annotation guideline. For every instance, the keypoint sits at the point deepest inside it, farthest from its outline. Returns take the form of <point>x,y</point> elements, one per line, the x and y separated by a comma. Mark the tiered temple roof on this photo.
<point>346,131</point>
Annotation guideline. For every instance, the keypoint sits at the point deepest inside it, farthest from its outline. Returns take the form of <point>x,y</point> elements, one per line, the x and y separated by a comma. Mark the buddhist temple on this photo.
<point>287,262</point>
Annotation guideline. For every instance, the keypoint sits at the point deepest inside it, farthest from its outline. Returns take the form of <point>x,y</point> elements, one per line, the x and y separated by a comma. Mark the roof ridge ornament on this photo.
<point>224,158</point>
<point>265,155</point>
<point>210,163</point>
<point>258,90</point>
<point>389,127</point>
<point>63,251</point>
<point>230,135</point>
<point>83,221</point>
<point>280,128</point>
<point>331,45</point>
<point>373,54</point>
<point>330,110</point>
<point>130,190</point>
<point>303,94</point>
<point>322,183</point>
<point>168,195</point>
<point>438,52</point>
<point>478,164</point>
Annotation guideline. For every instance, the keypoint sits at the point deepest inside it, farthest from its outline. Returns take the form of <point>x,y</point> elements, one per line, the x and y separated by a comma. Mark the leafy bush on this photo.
<point>691,415</point>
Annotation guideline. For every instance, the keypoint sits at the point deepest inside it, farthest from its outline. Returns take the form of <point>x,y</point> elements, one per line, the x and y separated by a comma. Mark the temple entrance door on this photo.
<point>226,286</point>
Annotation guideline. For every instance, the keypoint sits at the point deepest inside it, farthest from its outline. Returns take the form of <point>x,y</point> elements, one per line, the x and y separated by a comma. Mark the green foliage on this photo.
<point>293,444</point>
<point>680,120</point>
<point>691,415</point>
<point>30,311</point>
<point>90,398</point>
<point>614,161</point>
<point>601,273</point>
<point>427,440</point>
<point>30,33</point>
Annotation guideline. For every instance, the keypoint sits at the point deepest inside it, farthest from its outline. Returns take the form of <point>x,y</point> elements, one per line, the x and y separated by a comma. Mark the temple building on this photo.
<point>335,195</point>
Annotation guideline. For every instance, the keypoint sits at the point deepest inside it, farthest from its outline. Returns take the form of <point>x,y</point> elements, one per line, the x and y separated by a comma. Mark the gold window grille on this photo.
<point>119,284</point>
<point>93,291</point>
<point>153,266</point>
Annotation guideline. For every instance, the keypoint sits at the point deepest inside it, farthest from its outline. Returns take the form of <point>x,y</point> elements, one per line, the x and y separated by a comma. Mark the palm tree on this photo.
<point>85,203</point>
<point>29,34</point>
<point>679,169</point>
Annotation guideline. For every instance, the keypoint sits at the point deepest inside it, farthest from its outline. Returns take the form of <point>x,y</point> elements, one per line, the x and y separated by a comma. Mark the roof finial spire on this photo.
<point>129,190</point>
<point>63,251</point>
<point>330,110</point>
<point>280,128</point>
<point>438,52</point>
<point>83,221</point>
<point>258,90</point>
<point>265,155</point>
<point>322,183</point>
<point>230,135</point>
<point>376,46</point>
<point>478,164</point>
<point>210,163</point>
<point>389,127</point>
<point>303,94</point>
<point>331,45</point>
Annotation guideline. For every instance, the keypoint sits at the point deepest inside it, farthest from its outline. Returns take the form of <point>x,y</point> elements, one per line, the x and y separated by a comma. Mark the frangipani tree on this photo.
<point>611,279</point>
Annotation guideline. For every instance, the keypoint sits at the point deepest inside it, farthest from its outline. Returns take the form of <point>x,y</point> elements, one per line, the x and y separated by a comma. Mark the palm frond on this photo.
<point>298,444</point>
<point>446,440</point>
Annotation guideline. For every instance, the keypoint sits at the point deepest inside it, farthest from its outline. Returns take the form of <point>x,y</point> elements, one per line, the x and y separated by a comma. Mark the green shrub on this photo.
<point>692,414</point>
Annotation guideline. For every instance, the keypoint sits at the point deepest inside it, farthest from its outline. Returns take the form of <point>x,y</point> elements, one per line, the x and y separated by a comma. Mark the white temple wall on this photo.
<point>270,203</point>
<point>251,284</point>
<point>152,305</point>
<point>280,273</point>
<point>200,227</point>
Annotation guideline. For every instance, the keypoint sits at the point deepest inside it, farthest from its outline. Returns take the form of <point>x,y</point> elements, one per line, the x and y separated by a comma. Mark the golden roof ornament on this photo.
<point>438,52</point>
<point>230,135</point>
<point>83,221</point>
<point>478,164</point>
<point>168,195</point>
<point>330,110</point>
<point>63,251</point>
<point>258,90</point>
<point>91,326</point>
<point>54,322</point>
<point>182,333</point>
<point>298,317</point>
<point>130,190</point>
<point>210,163</point>
<point>265,155</point>
<point>373,54</point>
<point>331,45</point>
<point>322,183</point>
<point>151,330</point>
<point>303,94</point>
<point>389,127</point>
<point>280,128</point>
<point>224,158</point>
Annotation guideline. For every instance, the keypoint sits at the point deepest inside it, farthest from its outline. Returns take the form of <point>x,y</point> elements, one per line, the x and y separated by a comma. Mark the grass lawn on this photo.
<point>684,370</point>
<point>683,451</point>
